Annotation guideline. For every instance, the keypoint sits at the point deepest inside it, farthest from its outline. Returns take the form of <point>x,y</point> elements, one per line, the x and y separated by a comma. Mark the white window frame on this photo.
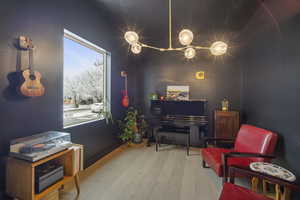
<point>106,77</point>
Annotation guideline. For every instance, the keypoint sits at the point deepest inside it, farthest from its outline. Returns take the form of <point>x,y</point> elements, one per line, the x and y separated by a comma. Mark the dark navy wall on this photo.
<point>222,79</point>
<point>271,87</point>
<point>44,22</point>
<point>262,81</point>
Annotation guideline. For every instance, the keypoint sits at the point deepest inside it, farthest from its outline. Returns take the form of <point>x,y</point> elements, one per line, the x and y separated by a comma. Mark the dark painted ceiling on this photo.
<point>235,21</point>
<point>203,17</point>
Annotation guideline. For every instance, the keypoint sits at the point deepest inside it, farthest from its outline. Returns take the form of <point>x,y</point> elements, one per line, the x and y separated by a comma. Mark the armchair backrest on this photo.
<point>252,139</point>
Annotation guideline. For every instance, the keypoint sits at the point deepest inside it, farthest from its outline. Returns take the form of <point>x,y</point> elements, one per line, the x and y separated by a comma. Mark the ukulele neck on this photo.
<point>31,67</point>
<point>126,85</point>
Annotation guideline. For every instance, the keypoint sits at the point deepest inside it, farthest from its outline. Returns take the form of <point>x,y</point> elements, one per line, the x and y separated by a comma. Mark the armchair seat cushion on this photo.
<point>213,157</point>
<point>234,192</point>
<point>250,139</point>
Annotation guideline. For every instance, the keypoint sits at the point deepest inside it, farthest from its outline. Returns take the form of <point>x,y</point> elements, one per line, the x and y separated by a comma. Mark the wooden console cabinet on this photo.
<point>20,176</point>
<point>227,124</point>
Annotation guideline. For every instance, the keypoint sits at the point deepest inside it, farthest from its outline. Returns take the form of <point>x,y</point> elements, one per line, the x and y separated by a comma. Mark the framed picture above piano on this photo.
<point>178,92</point>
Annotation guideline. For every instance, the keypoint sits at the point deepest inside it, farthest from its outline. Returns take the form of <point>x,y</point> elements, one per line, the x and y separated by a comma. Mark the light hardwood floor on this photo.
<point>143,174</point>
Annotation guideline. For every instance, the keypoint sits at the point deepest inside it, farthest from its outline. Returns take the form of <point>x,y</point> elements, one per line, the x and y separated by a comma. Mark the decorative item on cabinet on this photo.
<point>153,96</point>
<point>227,124</point>
<point>225,105</point>
<point>161,98</point>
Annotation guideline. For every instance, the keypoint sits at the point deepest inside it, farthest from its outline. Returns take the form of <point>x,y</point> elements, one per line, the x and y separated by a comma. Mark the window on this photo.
<point>85,81</point>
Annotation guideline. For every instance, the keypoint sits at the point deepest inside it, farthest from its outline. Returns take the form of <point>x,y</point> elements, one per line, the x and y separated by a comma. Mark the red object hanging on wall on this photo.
<point>125,99</point>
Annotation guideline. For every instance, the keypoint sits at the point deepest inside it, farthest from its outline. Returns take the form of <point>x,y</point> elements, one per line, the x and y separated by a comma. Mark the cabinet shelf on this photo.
<point>53,187</point>
<point>20,175</point>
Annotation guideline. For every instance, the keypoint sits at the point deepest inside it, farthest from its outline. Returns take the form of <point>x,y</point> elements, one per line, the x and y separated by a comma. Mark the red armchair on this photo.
<point>234,192</point>
<point>252,144</point>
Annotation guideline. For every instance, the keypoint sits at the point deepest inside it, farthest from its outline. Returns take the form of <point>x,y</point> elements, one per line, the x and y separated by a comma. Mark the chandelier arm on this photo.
<point>200,47</point>
<point>180,48</point>
<point>172,49</point>
<point>161,49</point>
<point>195,47</point>
<point>175,49</point>
<point>152,47</point>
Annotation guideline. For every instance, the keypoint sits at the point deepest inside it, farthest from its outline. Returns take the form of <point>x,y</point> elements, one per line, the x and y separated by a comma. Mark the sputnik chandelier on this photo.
<point>185,38</point>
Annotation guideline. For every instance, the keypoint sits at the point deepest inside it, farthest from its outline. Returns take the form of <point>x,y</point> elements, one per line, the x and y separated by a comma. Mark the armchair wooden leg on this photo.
<point>204,164</point>
<point>225,169</point>
<point>224,180</point>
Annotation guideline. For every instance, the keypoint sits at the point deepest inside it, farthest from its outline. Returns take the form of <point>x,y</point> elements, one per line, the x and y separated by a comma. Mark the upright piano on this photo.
<point>180,116</point>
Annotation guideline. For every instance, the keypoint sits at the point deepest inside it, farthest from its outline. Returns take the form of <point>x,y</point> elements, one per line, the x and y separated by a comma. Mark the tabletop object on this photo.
<point>273,170</point>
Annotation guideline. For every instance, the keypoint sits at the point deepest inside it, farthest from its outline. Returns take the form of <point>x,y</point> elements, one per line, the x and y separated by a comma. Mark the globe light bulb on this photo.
<point>186,37</point>
<point>136,48</point>
<point>131,37</point>
<point>190,53</point>
<point>218,48</point>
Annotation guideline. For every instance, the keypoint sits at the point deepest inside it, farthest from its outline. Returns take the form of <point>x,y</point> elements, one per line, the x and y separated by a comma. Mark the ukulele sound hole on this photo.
<point>32,77</point>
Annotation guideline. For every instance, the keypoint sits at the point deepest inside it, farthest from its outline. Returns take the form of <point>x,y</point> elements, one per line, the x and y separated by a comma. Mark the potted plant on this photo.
<point>133,126</point>
<point>128,126</point>
<point>142,125</point>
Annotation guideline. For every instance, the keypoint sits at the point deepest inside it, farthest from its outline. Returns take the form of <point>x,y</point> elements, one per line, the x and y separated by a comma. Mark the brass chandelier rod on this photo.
<point>170,24</point>
<point>185,37</point>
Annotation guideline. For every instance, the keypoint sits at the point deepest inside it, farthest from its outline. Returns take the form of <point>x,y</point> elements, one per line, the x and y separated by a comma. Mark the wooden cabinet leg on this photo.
<point>254,184</point>
<point>278,192</point>
<point>76,177</point>
<point>265,187</point>
<point>287,193</point>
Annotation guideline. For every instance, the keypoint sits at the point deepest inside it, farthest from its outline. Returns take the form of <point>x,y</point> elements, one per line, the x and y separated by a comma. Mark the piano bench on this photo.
<point>159,134</point>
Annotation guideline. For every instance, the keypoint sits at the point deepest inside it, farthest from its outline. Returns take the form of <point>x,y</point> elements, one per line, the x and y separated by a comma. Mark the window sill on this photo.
<point>83,123</point>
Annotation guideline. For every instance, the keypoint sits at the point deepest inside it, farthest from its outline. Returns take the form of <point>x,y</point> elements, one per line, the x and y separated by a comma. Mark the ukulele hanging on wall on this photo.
<point>32,86</point>
<point>125,99</point>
